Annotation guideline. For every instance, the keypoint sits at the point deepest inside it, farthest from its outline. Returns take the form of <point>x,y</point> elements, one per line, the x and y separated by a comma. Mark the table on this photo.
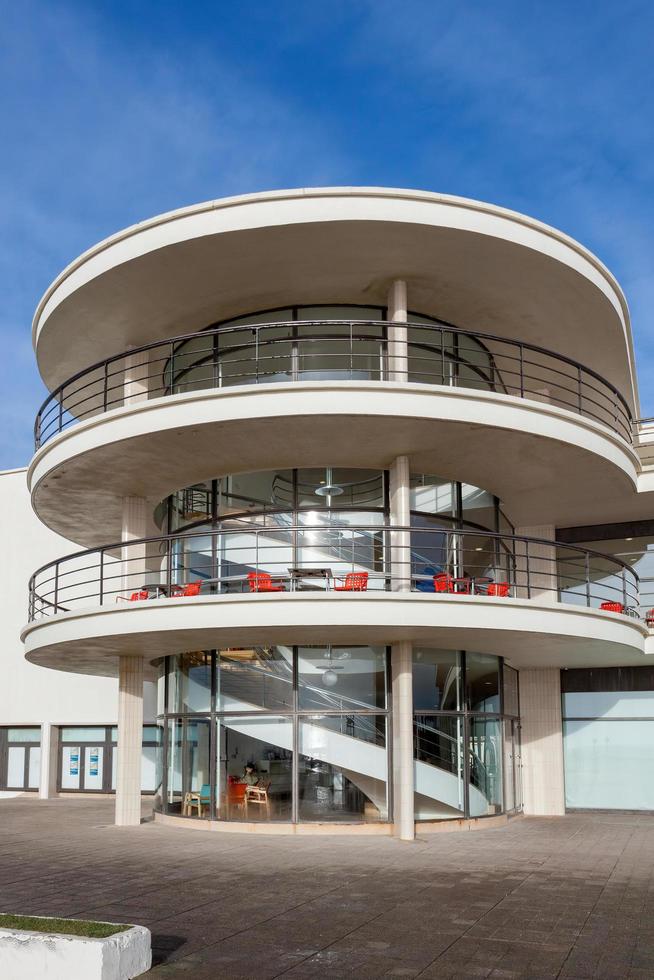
<point>297,574</point>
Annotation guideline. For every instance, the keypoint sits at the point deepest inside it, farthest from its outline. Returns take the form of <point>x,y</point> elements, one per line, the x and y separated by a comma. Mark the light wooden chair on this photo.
<point>258,796</point>
<point>196,799</point>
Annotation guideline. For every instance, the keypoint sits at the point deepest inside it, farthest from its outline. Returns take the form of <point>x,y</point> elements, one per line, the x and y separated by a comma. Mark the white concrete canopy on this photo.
<point>515,448</point>
<point>529,633</point>
<point>473,264</point>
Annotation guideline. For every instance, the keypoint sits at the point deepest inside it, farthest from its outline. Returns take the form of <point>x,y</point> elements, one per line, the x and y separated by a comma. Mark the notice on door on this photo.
<point>93,762</point>
<point>73,764</point>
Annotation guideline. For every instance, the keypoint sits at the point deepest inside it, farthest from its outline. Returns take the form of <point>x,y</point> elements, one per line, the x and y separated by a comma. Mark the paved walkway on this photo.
<point>570,897</point>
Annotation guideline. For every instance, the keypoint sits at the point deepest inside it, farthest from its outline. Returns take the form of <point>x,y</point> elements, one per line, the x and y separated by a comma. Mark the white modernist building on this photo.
<point>348,488</point>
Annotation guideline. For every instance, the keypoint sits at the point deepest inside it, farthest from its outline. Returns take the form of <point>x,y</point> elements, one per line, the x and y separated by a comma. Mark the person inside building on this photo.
<point>250,774</point>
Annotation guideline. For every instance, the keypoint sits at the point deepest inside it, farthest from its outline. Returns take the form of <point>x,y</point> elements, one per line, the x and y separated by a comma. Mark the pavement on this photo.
<point>569,897</point>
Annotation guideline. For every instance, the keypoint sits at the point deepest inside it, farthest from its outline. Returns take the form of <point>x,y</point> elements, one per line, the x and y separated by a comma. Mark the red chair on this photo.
<point>263,582</point>
<point>193,588</point>
<point>497,588</point>
<point>615,607</point>
<point>236,797</point>
<point>443,583</point>
<point>649,618</point>
<point>353,582</point>
<point>134,597</point>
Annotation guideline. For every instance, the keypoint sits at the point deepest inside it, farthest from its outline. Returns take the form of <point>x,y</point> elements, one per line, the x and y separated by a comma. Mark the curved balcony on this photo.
<point>517,596</point>
<point>436,354</point>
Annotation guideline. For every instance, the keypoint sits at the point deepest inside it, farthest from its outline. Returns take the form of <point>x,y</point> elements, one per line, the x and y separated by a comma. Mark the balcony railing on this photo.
<point>434,561</point>
<point>344,350</point>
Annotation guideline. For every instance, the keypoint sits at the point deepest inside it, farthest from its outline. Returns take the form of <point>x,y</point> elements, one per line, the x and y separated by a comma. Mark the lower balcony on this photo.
<point>533,601</point>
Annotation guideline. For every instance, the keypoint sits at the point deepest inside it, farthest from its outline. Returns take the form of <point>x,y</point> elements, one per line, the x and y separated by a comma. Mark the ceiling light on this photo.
<point>327,487</point>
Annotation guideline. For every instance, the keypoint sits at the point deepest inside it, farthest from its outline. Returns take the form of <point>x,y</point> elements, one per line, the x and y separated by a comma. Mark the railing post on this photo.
<point>101,576</point>
<point>579,384</point>
<point>624,589</point>
<point>61,410</point>
<point>256,355</point>
<point>587,566</point>
<point>522,371</point>
<point>56,589</point>
<point>105,387</point>
<point>527,561</point>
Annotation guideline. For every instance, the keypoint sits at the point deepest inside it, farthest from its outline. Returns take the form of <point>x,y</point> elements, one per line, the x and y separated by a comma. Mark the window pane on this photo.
<point>343,678</point>
<point>439,767</point>
<point>189,687</point>
<point>23,734</point>
<point>254,678</point>
<point>511,704</point>
<point>255,766</point>
<point>343,768</point>
<point>482,682</point>
<point>433,495</point>
<point>608,764</point>
<point>436,680</point>
<point>485,761</point>
<point>82,734</point>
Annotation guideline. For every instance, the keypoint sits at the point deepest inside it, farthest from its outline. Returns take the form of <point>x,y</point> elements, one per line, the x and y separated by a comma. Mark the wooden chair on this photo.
<point>196,799</point>
<point>353,582</point>
<point>263,582</point>
<point>258,796</point>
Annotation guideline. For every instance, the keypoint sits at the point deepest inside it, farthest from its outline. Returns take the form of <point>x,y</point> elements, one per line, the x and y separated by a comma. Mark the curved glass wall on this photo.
<point>326,342</point>
<point>327,501</point>
<point>302,734</point>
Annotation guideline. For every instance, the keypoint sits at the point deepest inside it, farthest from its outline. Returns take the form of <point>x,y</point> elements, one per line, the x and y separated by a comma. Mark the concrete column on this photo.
<point>540,561</point>
<point>136,380</point>
<point>542,742</point>
<point>134,557</point>
<point>400,513</point>
<point>397,331</point>
<point>130,736</point>
<point>402,681</point>
<point>49,752</point>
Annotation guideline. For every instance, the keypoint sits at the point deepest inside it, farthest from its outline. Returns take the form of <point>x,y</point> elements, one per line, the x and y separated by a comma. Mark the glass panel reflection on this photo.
<point>342,678</point>
<point>436,680</point>
<point>255,769</point>
<point>189,683</point>
<point>439,767</point>
<point>255,678</point>
<point>342,768</point>
<point>485,766</point>
<point>482,682</point>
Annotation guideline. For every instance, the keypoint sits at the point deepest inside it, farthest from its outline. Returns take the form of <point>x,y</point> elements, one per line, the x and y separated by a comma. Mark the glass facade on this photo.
<point>288,734</point>
<point>304,734</point>
<point>466,735</point>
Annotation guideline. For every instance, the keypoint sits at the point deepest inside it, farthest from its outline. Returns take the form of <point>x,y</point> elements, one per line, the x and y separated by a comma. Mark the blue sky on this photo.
<point>112,112</point>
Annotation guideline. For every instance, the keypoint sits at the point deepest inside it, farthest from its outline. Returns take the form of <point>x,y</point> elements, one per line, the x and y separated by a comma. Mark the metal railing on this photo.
<point>318,558</point>
<point>643,438</point>
<point>322,350</point>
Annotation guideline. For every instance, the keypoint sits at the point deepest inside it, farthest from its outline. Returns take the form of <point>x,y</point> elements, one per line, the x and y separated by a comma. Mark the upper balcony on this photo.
<point>535,379</point>
<point>535,601</point>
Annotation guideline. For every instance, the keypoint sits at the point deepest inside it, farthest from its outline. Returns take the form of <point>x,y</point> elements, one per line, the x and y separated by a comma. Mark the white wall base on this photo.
<point>542,742</point>
<point>27,955</point>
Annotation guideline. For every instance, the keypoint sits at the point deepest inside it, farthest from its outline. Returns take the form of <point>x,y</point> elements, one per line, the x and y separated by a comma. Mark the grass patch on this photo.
<point>69,927</point>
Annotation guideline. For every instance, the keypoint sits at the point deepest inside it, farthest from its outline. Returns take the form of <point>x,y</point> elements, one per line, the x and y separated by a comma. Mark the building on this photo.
<point>345,486</point>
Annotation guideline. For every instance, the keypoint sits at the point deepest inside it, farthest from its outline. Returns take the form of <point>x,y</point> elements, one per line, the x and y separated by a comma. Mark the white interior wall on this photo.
<point>29,694</point>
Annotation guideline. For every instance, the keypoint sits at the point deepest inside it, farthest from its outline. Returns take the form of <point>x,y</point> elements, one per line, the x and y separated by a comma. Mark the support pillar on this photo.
<point>402,654</point>
<point>397,332</point>
<point>49,752</point>
<point>536,571</point>
<point>402,683</point>
<point>133,558</point>
<point>542,742</point>
<point>130,738</point>
<point>136,379</point>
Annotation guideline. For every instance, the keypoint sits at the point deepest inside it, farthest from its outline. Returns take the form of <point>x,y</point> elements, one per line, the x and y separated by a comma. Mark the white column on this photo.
<point>133,558</point>
<point>536,572</point>
<point>130,736</point>
<point>48,772</point>
<point>402,682</point>
<point>397,331</point>
<point>401,655</point>
<point>136,378</point>
<point>400,513</point>
<point>542,742</point>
